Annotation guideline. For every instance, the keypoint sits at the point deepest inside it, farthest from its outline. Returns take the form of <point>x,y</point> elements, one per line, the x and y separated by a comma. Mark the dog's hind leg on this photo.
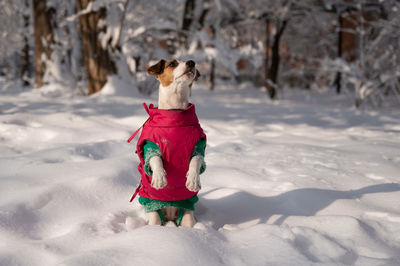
<point>188,219</point>
<point>154,218</point>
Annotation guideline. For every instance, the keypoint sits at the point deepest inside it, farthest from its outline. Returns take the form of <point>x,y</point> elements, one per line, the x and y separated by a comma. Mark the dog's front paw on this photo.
<point>193,181</point>
<point>159,180</point>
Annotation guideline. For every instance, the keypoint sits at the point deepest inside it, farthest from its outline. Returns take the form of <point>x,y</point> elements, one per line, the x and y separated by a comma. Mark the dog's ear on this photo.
<point>197,76</point>
<point>157,69</point>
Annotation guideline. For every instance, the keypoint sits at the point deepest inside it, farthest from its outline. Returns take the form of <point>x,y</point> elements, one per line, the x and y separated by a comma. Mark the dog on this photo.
<point>176,79</point>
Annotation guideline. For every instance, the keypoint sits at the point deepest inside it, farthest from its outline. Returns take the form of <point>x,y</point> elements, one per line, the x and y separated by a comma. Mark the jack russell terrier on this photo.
<point>171,148</point>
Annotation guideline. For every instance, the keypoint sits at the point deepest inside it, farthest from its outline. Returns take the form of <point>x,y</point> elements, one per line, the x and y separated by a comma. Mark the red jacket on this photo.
<point>176,132</point>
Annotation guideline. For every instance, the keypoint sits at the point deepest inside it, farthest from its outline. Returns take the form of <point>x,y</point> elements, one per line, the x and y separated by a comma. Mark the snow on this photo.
<point>307,180</point>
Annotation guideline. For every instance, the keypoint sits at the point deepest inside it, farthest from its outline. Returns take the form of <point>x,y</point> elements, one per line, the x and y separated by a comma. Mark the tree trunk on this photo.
<point>347,41</point>
<point>96,59</point>
<point>338,79</point>
<point>273,68</point>
<point>188,17</point>
<point>267,51</point>
<point>25,60</point>
<point>44,38</point>
<point>211,74</point>
<point>118,45</point>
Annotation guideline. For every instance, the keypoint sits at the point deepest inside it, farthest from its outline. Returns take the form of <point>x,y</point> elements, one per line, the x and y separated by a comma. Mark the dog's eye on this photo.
<point>173,64</point>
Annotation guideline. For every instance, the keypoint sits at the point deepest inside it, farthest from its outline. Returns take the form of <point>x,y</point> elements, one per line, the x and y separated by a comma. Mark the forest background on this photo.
<point>349,46</point>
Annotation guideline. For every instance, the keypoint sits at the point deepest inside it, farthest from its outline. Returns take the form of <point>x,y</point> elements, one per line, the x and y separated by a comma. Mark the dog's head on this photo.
<point>168,72</point>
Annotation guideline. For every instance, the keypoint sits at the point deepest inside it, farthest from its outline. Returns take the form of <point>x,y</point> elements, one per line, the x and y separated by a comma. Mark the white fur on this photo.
<point>175,96</point>
<point>193,174</point>
<point>188,219</point>
<point>153,218</point>
<point>158,180</point>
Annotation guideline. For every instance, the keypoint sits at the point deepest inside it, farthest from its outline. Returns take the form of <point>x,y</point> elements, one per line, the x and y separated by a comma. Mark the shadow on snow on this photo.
<point>242,207</point>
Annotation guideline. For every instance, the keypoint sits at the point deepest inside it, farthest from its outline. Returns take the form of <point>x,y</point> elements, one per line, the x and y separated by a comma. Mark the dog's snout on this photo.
<point>190,63</point>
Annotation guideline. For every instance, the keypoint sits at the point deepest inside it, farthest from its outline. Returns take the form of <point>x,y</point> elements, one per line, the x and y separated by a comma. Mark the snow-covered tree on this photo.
<point>275,44</point>
<point>44,38</point>
<point>95,54</point>
<point>12,41</point>
<point>372,73</point>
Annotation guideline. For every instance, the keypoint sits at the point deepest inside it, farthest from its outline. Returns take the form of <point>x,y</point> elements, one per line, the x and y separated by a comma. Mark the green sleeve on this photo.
<point>150,150</point>
<point>199,150</point>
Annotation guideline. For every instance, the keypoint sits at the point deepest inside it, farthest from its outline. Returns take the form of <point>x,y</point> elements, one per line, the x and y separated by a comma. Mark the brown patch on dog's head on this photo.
<point>163,71</point>
<point>156,69</point>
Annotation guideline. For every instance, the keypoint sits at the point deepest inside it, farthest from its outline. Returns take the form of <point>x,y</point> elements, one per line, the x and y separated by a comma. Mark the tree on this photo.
<point>363,68</point>
<point>96,57</point>
<point>276,15</point>
<point>44,38</point>
<point>272,63</point>
<point>12,41</point>
<point>25,56</point>
<point>188,17</point>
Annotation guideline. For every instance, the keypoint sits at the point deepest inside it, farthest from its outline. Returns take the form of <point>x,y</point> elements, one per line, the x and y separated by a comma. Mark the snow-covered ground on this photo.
<point>304,181</point>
